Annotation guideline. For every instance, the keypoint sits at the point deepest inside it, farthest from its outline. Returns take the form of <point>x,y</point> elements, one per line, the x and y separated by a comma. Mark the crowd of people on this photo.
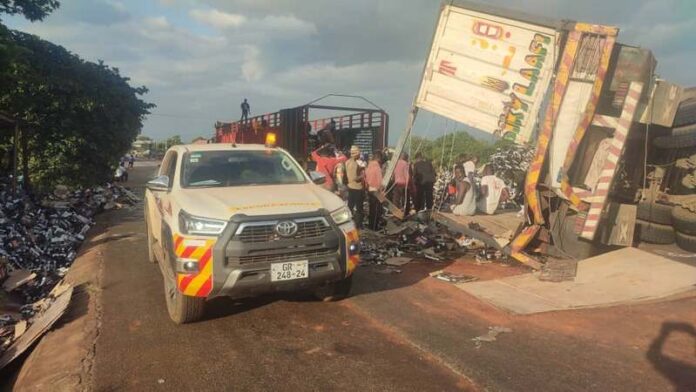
<point>355,177</point>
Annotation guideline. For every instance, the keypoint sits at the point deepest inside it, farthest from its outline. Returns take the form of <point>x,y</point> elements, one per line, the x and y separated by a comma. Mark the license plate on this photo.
<point>289,271</point>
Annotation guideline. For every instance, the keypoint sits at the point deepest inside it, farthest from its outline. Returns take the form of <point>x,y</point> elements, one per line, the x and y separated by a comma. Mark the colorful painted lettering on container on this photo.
<point>516,110</point>
<point>495,84</point>
<point>447,68</point>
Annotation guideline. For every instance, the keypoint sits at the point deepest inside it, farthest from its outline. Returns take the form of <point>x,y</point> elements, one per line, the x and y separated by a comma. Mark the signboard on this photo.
<point>488,72</point>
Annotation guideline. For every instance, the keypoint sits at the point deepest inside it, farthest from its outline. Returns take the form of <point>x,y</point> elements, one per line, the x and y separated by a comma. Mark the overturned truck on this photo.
<point>615,146</point>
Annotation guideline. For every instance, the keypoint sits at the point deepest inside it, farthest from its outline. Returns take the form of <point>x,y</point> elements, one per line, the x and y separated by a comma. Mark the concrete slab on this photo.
<point>623,276</point>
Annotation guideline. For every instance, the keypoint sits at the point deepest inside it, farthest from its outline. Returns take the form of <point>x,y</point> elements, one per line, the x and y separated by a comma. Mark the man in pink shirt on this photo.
<point>401,174</point>
<point>326,160</point>
<point>373,178</point>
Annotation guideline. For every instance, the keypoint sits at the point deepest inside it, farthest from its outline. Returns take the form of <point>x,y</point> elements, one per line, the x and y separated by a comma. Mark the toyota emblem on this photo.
<point>286,228</point>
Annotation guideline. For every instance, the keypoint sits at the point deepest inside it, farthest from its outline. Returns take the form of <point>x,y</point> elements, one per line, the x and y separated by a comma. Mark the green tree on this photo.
<point>31,9</point>
<point>173,141</point>
<point>77,117</point>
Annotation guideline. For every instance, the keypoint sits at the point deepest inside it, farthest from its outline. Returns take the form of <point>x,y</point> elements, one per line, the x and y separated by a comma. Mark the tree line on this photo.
<point>69,120</point>
<point>445,149</point>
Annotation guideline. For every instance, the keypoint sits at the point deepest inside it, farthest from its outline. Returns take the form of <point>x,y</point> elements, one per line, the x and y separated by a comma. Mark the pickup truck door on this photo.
<point>159,205</point>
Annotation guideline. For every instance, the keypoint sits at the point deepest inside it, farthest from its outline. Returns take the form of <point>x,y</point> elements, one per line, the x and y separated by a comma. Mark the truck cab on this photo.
<point>244,220</point>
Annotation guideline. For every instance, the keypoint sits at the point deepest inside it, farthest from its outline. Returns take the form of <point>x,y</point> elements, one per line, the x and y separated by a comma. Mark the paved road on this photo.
<point>269,343</point>
<point>403,332</point>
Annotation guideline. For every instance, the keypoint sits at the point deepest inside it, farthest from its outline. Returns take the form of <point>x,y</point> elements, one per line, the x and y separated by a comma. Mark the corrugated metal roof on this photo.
<point>558,24</point>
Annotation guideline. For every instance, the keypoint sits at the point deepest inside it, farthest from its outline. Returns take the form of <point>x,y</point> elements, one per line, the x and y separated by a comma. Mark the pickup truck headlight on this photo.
<point>189,224</point>
<point>341,215</point>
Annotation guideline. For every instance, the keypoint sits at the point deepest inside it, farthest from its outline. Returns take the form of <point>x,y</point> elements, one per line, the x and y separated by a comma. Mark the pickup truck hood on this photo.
<point>223,203</point>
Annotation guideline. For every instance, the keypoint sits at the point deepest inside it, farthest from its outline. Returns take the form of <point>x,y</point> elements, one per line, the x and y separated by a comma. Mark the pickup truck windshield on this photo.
<point>202,169</point>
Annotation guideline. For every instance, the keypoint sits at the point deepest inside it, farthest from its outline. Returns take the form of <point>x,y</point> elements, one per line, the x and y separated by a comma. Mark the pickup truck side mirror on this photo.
<point>159,183</point>
<point>317,178</point>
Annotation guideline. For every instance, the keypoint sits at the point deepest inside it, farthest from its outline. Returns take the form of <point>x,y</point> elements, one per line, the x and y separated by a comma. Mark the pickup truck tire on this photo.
<point>683,140</point>
<point>182,309</point>
<point>684,220</point>
<point>654,233</point>
<point>686,242</point>
<point>655,212</point>
<point>335,291</point>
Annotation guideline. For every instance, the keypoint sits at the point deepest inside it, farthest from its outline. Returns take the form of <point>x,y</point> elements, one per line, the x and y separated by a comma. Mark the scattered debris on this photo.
<point>17,278</point>
<point>39,240</point>
<point>398,261</point>
<point>453,278</point>
<point>491,336</point>
<point>39,326</point>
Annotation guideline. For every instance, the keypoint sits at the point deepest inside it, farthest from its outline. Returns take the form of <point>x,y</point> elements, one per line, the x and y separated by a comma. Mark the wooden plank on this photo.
<point>621,223</point>
<point>398,214</point>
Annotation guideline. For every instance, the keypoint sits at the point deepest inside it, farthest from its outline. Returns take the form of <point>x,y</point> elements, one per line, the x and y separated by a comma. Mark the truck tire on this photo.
<point>686,242</point>
<point>335,291</point>
<point>684,220</point>
<point>684,140</point>
<point>686,113</point>
<point>182,309</point>
<point>654,233</point>
<point>655,212</point>
<point>684,130</point>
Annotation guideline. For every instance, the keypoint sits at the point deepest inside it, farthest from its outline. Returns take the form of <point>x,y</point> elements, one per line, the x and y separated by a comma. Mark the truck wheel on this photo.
<point>654,233</point>
<point>684,130</point>
<point>686,242</point>
<point>684,220</point>
<point>654,212</point>
<point>683,140</point>
<point>182,308</point>
<point>335,291</point>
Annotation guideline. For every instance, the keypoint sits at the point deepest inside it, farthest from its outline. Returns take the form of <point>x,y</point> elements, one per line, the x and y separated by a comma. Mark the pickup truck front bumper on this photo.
<point>237,264</point>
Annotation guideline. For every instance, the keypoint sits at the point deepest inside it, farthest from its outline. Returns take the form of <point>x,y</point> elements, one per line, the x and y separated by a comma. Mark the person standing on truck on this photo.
<point>424,178</point>
<point>246,109</point>
<point>326,160</point>
<point>356,188</point>
<point>401,176</point>
<point>373,178</point>
<point>131,161</point>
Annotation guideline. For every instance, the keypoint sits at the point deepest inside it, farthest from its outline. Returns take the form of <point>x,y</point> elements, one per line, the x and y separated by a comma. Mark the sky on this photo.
<point>199,59</point>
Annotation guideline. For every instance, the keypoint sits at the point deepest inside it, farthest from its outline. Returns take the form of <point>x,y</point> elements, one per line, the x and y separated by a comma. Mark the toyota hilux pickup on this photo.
<point>241,221</point>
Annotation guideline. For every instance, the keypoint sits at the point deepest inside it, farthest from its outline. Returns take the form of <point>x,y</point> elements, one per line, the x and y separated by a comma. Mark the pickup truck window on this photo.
<point>202,169</point>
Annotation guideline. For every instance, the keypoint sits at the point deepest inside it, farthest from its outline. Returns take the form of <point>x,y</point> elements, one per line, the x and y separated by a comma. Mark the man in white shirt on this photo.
<point>492,192</point>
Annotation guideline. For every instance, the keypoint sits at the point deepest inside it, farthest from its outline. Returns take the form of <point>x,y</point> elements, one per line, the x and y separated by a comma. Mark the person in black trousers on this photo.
<point>424,176</point>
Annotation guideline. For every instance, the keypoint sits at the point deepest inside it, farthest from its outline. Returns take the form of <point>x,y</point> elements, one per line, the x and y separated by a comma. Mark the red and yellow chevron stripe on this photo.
<point>553,107</point>
<point>352,261</point>
<point>584,124</point>
<point>195,284</point>
<point>520,242</point>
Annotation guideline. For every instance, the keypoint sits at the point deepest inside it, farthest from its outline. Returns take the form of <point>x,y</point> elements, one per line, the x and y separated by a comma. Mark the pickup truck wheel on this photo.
<point>335,291</point>
<point>182,308</point>
<point>654,233</point>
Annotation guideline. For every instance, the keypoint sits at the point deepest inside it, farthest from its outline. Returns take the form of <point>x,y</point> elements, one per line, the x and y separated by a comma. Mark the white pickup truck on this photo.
<point>243,220</point>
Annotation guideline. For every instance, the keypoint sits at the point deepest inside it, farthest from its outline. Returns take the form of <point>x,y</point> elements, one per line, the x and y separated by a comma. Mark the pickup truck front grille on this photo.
<point>306,229</point>
<point>306,254</point>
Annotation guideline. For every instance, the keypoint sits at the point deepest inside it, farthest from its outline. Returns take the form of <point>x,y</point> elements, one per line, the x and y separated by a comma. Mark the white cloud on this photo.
<point>252,68</point>
<point>217,19</point>
<point>287,23</point>
<point>159,22</point>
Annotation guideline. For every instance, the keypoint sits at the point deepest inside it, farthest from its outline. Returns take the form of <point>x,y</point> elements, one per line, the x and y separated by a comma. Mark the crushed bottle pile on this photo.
<point>419,237</point>
<point>39,240</point>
